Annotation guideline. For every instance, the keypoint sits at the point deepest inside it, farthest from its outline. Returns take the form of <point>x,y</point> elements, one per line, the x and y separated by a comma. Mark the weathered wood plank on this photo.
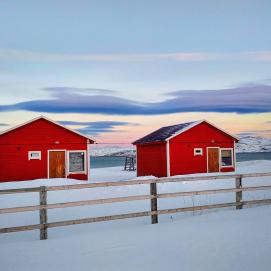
<point>129,198</point>
<point>21,228</point>
<point>238,185</point>
<point>43,213</point>
<point>153,192</point>
<point>136,182</point>
<point>159,180</point>
<point>148,213</point>
<point>214,191</point>
<point>19,190</point>
<point>213,206</point>
<point>257,201</point>
<point>131,215</point>
<point>74,204</point>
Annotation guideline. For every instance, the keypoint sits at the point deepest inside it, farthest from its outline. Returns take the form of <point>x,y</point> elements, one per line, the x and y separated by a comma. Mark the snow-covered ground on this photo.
<point>213,240</point>
<point>227,240</point>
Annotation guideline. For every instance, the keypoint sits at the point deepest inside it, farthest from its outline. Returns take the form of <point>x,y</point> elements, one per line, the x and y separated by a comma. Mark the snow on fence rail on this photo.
<point>153,197</point>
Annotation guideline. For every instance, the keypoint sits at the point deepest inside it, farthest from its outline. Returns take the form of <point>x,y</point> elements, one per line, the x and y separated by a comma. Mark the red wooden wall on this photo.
<point>40,135</point>
<point>151,160</point>
<point>182,159</point>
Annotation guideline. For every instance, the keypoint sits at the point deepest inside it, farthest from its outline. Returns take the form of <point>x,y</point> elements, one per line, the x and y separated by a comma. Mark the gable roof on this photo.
<point>45,118</point>
<point>166,133</point>
<point>162,134</point>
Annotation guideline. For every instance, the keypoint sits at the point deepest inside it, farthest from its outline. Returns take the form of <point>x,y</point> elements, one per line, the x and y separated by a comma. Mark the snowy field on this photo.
<point>223,239</point>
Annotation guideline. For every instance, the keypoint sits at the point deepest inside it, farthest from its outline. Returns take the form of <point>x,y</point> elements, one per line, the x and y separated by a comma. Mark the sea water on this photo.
<point>116,161</point>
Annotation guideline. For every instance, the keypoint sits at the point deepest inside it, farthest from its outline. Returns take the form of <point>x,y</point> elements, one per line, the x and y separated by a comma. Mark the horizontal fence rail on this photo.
<point>153,197</point>
<point>129,198</point>
<point>134,182</point>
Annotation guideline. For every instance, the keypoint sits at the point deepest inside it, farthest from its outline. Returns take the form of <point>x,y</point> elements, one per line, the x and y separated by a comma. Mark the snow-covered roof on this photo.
<point>45,118</point>
<point>166,133</point>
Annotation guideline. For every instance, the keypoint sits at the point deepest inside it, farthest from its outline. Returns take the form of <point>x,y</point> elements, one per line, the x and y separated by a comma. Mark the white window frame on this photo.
<point>232,153</point>
<point>198,149</point>
<point>34,158</point>
<point>85,162</point>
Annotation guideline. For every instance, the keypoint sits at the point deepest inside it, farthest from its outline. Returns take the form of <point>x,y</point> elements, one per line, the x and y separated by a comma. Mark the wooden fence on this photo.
<point>153,197</point>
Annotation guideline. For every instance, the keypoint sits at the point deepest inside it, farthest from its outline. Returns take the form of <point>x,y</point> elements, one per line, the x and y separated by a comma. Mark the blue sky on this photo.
<point>117,61</point>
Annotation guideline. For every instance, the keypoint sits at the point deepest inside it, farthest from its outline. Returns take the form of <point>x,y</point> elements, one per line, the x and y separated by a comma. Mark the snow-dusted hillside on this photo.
<point>113,151</point>
<point>253,144</point>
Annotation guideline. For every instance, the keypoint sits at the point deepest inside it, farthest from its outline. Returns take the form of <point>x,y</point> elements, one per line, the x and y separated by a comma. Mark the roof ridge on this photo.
<point>47,119</point>
<point>182,123</point>
<point>165,133</point>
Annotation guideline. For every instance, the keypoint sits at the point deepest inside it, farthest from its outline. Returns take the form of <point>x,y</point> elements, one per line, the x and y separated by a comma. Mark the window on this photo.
<point>197,151</point>
<point>34,155</point>
<point>226,158</point>
<point>77,160</point>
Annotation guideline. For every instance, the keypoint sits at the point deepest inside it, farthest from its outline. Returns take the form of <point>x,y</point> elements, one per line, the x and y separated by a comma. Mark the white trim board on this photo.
<point>88,159</point>
<point>200,151</point>
<point>34,158</point>
<point>234,153</point>
<point>168,158</point>
<point>45,118</point>
<point>136,163</point>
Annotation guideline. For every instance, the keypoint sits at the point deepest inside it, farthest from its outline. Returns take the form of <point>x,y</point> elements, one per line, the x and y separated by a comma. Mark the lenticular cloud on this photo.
<point>245,99</point>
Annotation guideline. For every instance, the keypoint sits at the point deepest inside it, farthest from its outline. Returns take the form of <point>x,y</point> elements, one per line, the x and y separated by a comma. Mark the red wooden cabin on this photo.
<point>42,148</point>
<point>194,147</point>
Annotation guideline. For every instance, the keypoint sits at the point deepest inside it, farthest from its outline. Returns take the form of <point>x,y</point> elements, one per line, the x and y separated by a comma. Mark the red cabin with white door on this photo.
<point>186,148</point>
<point>42,148</point>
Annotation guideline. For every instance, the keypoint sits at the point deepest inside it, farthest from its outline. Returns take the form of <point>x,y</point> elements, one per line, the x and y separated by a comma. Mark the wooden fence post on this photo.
<point>153,191</point>
<point>43,213</point>
<point>238,184</point>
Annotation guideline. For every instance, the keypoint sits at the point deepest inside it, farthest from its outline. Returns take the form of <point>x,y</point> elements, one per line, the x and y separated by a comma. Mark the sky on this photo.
<point>117,70</point>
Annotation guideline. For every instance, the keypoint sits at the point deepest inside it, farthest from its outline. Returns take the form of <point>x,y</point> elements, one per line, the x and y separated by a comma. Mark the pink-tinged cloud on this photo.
<point>258,56</point>
<point>98,127</point>
<point>24,55</point>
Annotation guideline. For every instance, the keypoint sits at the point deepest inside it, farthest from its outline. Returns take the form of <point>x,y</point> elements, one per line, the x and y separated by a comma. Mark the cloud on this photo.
<point>3,124</point>
<point>243,99</point>
<point>56,90</point>
<point>263,131</point>
<point>97,127</point>
<point>25,55</point>
<point>246,134</point>
<point>253,99</point>
<point>258,56</point>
